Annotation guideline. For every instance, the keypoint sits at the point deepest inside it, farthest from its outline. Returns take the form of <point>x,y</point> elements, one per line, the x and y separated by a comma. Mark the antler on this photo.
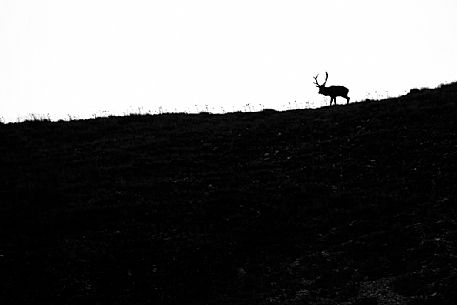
<point>326,77</point>
<point>315,81</point>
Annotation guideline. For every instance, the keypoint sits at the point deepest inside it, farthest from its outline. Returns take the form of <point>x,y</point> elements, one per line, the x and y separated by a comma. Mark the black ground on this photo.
<point>348,205</point>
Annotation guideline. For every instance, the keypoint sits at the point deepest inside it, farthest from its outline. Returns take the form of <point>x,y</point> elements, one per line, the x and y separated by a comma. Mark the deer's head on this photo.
<point>321,87</point>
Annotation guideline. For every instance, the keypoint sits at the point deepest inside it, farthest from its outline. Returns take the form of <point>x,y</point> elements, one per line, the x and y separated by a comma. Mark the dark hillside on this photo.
<point>347,205</point>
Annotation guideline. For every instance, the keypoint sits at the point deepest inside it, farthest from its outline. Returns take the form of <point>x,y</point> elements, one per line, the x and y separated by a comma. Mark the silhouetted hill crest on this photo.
<point>349,204</point>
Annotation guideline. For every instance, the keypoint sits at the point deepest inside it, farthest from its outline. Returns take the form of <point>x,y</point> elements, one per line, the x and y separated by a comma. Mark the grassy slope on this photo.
<point>350,204</point>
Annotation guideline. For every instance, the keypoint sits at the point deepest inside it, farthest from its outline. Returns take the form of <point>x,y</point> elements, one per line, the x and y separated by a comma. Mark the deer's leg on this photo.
<point>347,99</point>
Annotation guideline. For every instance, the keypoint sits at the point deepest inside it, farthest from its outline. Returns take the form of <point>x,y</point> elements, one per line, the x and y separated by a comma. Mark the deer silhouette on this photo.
<point>332,91</point>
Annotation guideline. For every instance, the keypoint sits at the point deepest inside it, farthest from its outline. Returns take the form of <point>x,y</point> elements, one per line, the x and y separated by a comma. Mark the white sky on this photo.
<point>81,57</point>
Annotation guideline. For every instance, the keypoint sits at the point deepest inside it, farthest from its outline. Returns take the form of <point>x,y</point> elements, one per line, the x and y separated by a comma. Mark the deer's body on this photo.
<point>332,91</point>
